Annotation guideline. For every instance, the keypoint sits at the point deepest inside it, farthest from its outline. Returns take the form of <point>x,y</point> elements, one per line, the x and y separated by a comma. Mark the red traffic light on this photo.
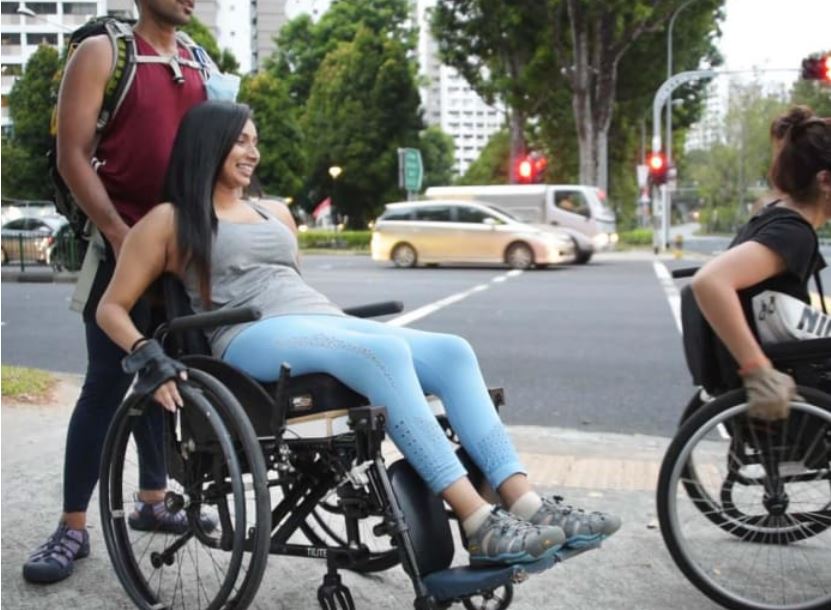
<point>657,163</point>
<point>530,168</point>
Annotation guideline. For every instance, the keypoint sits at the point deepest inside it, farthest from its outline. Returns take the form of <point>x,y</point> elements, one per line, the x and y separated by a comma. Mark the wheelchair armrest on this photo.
<point>211,319</point>
<point>804,350</point>
<point>372,310</point>
<point>684,272</point>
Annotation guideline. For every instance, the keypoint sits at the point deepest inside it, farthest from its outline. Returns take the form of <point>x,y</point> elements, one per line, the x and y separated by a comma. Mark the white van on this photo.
<point>579,210</point>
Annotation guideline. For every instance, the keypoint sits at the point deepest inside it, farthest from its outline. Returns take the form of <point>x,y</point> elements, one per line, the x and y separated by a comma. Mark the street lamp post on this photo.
<point>334,172</point>
<point>27,12</point>
<point>669,75</point>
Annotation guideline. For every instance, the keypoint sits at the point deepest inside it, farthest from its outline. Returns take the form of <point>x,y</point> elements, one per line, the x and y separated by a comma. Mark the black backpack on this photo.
<point>121,78</point>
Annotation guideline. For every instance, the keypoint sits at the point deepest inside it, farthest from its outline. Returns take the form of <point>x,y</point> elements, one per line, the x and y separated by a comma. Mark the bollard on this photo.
<point>678,252</point>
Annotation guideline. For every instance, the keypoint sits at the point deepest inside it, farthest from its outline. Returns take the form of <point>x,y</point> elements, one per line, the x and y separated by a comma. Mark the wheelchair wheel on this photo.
<point>199,564</point>
<point>767,488</point>
<point>255,480</point>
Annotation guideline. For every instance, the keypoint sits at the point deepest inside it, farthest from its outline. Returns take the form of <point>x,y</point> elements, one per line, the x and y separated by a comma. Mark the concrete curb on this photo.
<point>39,276</point>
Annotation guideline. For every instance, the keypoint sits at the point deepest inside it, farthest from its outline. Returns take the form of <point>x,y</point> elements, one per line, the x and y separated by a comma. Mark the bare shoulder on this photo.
<point>94,55</point>
<point>159,222</point>
<point>280,210</point>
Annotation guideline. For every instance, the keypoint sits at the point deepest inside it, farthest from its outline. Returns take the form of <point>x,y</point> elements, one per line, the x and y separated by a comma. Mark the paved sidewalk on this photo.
<point>614,472</point>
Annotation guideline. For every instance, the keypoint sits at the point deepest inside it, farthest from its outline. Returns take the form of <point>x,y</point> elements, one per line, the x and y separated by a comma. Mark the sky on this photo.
<point>773,34</point>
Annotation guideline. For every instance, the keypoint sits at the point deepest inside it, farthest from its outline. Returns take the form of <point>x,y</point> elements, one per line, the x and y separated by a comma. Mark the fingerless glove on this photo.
<point>153,366</point>
<point>769,393</point>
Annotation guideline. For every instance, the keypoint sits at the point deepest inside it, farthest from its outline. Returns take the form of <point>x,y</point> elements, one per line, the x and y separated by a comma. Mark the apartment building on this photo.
<point>448,100</point>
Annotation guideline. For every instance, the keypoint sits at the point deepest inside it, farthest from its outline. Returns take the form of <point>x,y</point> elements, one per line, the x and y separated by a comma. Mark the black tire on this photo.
<point>404,256</point>
<point>519,255</point>
<point>257,495</point>
<point>762,459</point>
<point>583,256</point>
<point>192,471</point>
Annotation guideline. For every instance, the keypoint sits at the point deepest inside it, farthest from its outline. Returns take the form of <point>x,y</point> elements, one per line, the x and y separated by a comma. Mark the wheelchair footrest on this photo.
<point>464,581</point>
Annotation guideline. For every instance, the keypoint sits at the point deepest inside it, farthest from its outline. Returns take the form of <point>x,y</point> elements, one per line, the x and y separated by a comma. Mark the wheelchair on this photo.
<point>744,505</point>
<point>291,468</point>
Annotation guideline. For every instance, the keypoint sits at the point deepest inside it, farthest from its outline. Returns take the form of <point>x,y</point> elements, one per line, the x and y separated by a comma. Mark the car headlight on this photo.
<point>601,240</point>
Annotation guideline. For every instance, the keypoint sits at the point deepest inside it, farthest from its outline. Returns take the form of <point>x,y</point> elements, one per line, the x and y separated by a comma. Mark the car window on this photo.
<point>436,213</point>
<point>15,225</point>
<point>573,201</point>
<point>397,214</point>
<point>473,215</point>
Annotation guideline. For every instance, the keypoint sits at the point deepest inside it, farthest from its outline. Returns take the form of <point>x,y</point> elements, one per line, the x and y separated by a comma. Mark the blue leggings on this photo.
<point>393,367</point>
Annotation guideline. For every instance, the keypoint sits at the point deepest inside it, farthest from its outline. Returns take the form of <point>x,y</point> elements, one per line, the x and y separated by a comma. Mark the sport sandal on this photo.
<point>54,560</point>
<point>581,528</point>
<point>506,539</point>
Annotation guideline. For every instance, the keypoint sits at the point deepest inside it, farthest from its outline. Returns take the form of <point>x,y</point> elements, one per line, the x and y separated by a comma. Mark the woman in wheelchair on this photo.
<point>776,250</point>
<point>231,252</point>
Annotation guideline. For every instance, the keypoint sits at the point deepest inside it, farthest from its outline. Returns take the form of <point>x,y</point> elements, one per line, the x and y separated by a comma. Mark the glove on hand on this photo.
<point>769,393</point>
<point>153,366</point>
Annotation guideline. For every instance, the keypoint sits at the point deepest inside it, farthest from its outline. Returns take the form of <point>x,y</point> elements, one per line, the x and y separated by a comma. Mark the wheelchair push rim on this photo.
<point>173,570</point>
<point>772,547</point>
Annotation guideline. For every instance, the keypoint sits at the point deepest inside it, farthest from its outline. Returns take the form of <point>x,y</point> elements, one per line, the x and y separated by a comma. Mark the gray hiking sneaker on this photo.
<point>581,528</point>
<point>506,539</point>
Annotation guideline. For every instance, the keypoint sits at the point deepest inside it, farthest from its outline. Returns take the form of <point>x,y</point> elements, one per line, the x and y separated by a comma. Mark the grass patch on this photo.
<point>25,384</point>
<point>341,240</point>
<point>636,237</point>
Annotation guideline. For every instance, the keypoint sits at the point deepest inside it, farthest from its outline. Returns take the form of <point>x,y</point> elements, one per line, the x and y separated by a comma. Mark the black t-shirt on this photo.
<point>791,237</point>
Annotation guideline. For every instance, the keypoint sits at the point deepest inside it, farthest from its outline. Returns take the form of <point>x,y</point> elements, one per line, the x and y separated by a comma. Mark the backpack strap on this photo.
<point>203,61</point>
<point>123,71</point>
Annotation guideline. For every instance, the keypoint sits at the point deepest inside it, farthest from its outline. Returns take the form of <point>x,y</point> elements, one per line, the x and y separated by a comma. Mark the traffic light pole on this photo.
<point>661,96</point>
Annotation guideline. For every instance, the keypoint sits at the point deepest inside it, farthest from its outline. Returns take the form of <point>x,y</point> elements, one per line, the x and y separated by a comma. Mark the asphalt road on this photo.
<point>586,347</point>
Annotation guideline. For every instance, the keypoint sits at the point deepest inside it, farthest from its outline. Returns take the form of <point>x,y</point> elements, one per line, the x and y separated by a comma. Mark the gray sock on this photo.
<point>527,504</point>
<point>475,520</point>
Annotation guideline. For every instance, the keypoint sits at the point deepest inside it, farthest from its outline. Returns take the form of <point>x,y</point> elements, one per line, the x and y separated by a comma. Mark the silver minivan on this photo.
<point>432,232</point>
<point>579,210</point>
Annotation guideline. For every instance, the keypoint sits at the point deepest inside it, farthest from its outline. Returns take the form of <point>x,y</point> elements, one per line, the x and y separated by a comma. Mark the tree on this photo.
<point>363,106</point>
<point>202,36</point>
<point>491,167</point>
<point>30,107</point>
<point>437,157</point>
<point>527,51</point>
<point>282,160</point>
<point>302,44</point>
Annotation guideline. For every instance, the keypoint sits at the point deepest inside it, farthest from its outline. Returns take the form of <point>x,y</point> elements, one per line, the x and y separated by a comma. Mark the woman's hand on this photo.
<point>769,393</point>
<point>167,394</point>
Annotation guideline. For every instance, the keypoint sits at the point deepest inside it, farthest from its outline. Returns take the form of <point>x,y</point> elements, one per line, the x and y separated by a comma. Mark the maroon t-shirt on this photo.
<point>135,148</point>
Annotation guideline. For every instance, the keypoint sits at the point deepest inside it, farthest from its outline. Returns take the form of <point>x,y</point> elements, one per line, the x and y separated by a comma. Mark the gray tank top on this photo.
<point>254,264</point>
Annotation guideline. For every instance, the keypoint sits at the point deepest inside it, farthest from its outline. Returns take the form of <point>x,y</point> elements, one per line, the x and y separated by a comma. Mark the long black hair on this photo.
<point>206,135</point>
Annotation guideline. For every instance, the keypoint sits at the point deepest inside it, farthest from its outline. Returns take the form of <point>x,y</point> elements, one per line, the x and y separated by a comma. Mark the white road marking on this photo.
<point>431,308</point>
<point>674,298</point>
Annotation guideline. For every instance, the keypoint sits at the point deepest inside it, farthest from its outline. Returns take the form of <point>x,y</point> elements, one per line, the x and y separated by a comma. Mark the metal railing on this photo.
<point>64,253</point>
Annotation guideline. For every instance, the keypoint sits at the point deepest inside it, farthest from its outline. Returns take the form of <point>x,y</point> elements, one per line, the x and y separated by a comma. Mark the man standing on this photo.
<point>116,177</point>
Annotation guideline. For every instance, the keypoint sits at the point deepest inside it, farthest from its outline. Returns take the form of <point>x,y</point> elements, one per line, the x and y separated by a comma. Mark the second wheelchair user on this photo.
<point>231,252</point>
<point>776,250</point>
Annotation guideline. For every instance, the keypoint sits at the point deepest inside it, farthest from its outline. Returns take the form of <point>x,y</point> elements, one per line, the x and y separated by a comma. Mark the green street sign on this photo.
<point>410,169</point>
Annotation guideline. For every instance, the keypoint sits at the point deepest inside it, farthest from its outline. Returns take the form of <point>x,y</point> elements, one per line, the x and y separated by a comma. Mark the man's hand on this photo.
<point>769,393</point>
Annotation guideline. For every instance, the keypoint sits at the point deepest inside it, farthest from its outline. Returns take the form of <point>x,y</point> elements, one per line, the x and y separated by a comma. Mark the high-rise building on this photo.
<point>26,25</point>
<point>449,101</point>
<point>231,24</point>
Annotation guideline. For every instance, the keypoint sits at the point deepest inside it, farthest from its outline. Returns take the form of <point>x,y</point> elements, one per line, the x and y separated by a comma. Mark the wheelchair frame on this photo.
<point>767,461</point>
<point>228,410</point>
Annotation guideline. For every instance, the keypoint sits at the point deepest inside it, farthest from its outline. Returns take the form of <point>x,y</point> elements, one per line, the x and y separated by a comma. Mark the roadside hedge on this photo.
<point>635,237</point>
<point>341,240</point>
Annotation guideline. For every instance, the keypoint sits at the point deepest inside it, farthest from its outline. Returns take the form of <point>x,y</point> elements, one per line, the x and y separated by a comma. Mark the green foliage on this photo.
<point>282,160</point>
<point>437,157</point>
<point>363,106</point>
<point>202,36</point>
<point>349,240</point>
<point>30,107</point>
<point>302,44</point>
<point>635,237</point>
<point>491,167</point>
<point>23,383</point>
